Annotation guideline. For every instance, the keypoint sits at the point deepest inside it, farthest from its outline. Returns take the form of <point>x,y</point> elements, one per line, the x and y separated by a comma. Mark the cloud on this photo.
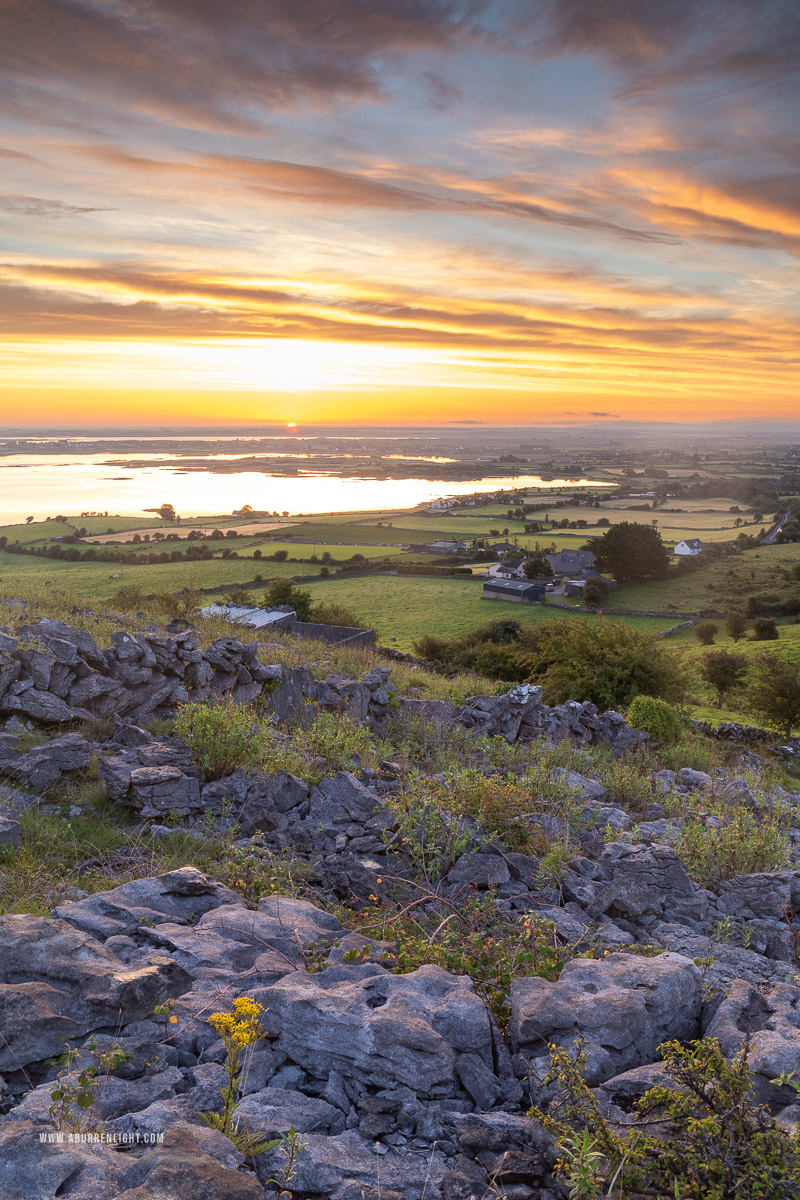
<point>657,46</point>
<point>36,206</point>
<point>16,155</point>
<point>186,60</point>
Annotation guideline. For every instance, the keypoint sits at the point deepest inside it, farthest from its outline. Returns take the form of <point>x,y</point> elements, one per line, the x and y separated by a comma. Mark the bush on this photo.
<point>324,743</point>
<point>283,591</point>
<point>656,717</point>
<point>335,614</point>
<point>705,632</point>
<point>221,736</point>
<point>744,843</point>
<point>608,663</point>
<point>700,1136</point>
<point>595,593</point>
<point>765,629</point>
<point>724,670</point>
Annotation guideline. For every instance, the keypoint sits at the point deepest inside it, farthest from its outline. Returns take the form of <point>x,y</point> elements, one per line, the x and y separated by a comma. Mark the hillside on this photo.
<point>401,888</point>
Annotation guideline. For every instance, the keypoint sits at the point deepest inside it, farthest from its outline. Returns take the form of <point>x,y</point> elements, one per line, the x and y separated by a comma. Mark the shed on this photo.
<point>517,591</point>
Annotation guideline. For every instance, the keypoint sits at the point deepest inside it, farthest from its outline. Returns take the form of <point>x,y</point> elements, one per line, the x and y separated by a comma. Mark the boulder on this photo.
<point>767,1022</point>
<point>42,766</point>
<point>624,1006</point>
<point>345,1168</point>
<point>177,897</point>
<point>58,983</point>
<point>646,880</point>
<point>382,1030</point>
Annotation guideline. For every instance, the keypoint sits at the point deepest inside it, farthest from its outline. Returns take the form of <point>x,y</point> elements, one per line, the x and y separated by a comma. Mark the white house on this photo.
<point>505,571</point>
<point>689,546</point>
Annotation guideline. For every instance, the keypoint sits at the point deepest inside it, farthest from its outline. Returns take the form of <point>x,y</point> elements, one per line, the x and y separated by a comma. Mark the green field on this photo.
<point>92,581</point>
<point>727,583</point>
<point>406,608</point>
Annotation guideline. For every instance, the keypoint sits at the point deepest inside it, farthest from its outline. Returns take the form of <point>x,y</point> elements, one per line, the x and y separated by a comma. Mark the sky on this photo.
<point>398,211</point>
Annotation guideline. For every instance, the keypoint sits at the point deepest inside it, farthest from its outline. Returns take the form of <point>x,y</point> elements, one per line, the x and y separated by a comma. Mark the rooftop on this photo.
<point>240,614</point>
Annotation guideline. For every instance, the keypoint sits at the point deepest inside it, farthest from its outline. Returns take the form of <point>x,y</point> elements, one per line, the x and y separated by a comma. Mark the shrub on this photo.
<point>765,629</point>
<point>704,1139</point>
<point>629,783</point>
<point>656,717</point>
<point>430,647</point>
<point>283,591</point>
<point>335,614</point>
<point>607,662</point>
<point>741,842</point>
<point>595,593</point>
<point>705,632</point>
<point>221,736</point>
<point>323,742</point>
<point>128,598</point>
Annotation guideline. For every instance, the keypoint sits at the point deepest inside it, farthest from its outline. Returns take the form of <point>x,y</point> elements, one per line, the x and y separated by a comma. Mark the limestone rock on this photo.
<point>57,982</point>
<point>624,1005</point>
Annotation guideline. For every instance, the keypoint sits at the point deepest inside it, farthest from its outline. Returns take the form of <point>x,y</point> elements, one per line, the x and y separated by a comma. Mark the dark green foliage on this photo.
<point>775,692</point>
<point>608,663</point>
<point>702,1138</point>
<point>631,551</point>
<point>705,632</point>
<point>765,630</point>
<point>536,566</point>
<point>335,614</point>
<point>595,593</point>
<point>736,624</point>
<point>724,670</point>
<point>283,591</point>
<point>221,736</point>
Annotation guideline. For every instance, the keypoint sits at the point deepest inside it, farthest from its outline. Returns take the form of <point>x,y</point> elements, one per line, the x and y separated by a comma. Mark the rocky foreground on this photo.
<point>399,1085</point>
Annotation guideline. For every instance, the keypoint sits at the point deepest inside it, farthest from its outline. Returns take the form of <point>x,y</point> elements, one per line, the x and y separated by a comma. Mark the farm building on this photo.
<point>689,547</point>
<point>443,547</point>
<point>517,591</point>
<point>570,562</point>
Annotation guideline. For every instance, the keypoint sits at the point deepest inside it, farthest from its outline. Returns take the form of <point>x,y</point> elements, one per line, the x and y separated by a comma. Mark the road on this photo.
<point>769,540</point>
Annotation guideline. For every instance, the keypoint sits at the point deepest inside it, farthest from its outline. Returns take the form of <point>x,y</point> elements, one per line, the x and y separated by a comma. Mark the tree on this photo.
<point>283,591</point>
<point>736,624</point>
<point>724,670</point>
<point>765,630</point>
<point>595,592</point>
<point>630,551</point>
<point>775,692</point>
<point>536,566</point>
<point>166,512</point>
<point>705,632</point>
<point>28,520</point>
<point>606,662</point>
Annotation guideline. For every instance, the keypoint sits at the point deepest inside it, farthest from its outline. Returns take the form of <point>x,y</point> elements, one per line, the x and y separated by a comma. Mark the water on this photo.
<point>44,485</point>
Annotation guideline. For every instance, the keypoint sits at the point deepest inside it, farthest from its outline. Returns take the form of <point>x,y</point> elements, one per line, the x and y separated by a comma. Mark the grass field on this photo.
<point>98,581</point>
<point>406,608</point>
<point>727,583</point>
<point>304,550</point>
<point>786,648</point>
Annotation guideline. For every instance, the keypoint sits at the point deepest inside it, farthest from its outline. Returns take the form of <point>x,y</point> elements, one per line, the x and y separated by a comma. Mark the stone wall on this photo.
<point>56,674</point>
